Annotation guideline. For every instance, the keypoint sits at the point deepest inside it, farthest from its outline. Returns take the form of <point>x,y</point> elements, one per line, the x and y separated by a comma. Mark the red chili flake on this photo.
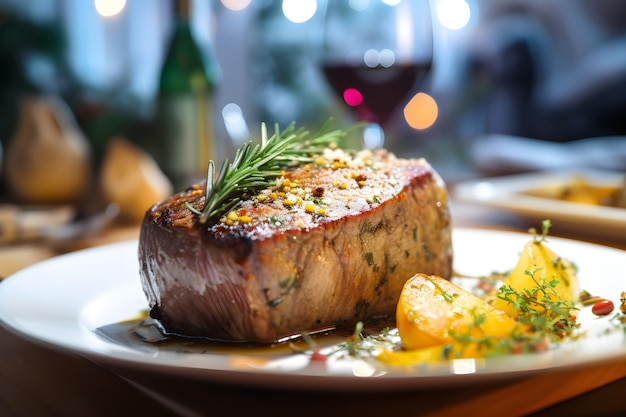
<point>602,308</point>
<point>587,299</point>
<point>317,356</point>
<point>486,286</point>
<point>540,346</point>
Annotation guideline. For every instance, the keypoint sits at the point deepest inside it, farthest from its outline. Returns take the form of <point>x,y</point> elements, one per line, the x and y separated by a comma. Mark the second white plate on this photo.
<point>510,193</point>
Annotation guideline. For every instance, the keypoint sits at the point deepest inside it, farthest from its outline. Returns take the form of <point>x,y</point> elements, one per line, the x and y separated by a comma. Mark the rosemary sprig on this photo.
<point>254,167</point>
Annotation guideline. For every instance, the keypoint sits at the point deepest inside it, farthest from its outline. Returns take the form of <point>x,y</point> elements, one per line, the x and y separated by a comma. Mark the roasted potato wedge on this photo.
<point>538,263</point>
<point>433,311</point>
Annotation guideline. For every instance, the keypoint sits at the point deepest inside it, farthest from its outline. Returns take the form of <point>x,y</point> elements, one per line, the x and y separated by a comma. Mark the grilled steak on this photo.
<point>331,244</point>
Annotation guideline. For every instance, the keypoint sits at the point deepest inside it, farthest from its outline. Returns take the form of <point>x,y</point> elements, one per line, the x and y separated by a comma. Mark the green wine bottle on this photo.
<point>185,106</point>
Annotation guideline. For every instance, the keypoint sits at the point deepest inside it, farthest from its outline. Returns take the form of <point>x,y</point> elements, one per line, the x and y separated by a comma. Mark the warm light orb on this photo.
<point>421,111</point>
<point>453,14</point>
<point>235,5</point>
<point>109,8</point>
<point>299,11</point>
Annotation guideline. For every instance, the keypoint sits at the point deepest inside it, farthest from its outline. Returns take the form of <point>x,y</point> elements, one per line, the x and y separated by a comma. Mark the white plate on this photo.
<point>509,193</point>
<point>62,301</point>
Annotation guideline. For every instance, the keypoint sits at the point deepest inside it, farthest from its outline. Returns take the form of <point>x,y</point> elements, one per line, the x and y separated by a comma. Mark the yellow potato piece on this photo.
<point>544,264</point>
<point>431,310</point>
<point>432,354</point>
<point>48,160</point>
<point>407,357</point>
<point>130,178</point>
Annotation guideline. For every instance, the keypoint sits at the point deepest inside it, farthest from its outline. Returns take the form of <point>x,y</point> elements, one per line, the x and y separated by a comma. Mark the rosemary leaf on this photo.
<point>254,167</point>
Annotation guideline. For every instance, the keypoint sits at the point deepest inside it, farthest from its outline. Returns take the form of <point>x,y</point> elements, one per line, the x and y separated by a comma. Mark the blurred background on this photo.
<point>107,106</point>
<point>509,81</point>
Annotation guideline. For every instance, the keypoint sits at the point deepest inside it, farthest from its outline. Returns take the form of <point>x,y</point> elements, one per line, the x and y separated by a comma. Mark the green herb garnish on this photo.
<point>544,317</point>
<point>545,228</point>
<point>254,167</point>
<point>554,318</point>
<point>483,341</point>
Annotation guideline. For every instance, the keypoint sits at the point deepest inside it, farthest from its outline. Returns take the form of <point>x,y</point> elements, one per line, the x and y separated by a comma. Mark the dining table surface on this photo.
<point>37,379</point>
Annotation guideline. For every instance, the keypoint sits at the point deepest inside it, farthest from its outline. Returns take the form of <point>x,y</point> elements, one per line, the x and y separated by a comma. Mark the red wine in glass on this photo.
<point>374,93</point>
<point>373,54</point>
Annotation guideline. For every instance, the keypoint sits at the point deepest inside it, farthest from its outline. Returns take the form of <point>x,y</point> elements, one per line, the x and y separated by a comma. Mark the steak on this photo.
<point>331,244</point>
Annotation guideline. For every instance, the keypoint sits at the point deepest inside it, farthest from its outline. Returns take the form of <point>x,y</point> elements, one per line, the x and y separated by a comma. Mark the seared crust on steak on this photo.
<point>332,244</point>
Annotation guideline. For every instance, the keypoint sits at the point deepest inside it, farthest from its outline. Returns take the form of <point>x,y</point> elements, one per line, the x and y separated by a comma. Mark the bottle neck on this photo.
<point>184,69</point>
<point>182,18</point>
<point>181,10</point>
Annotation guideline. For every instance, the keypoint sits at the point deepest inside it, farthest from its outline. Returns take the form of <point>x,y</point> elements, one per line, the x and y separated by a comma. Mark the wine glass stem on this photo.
<point>373,136</point>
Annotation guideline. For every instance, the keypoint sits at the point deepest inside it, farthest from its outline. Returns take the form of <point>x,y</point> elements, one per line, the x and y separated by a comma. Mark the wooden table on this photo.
<point>38,380</point>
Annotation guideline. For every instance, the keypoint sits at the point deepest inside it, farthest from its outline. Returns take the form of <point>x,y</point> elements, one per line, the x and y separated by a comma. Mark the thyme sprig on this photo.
<point>541,308</point>
<point>484,342</point>
<point>548,318</point>
<point>255,166</point>
<point>545,318</point>
<point>545,229</point>
<point>363,344</point>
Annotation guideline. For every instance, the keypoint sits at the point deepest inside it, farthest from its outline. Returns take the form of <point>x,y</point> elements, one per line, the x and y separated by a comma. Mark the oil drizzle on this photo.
<point>146,334</point>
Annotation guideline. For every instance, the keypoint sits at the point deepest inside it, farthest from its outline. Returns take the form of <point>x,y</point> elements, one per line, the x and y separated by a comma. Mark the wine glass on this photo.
<point>373,54</point>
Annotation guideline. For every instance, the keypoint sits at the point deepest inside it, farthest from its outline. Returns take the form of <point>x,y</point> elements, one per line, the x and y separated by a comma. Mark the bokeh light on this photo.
<point>299,11</point>
<point>453,14</point>
<point>373,58</point>
<point>386,58</point>
<point>235,5</point>
<point>421,111</point>
<point>358,5</point>
<point>373,136</point>
<point>352,97</point>
<point>235,124</point>
<point>109,8</point>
